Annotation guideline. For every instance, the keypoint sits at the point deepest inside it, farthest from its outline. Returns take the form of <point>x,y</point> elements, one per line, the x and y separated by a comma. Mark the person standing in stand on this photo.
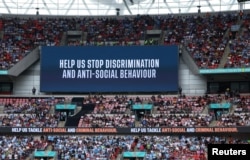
<point>180,91</point>
<point>33,90</point>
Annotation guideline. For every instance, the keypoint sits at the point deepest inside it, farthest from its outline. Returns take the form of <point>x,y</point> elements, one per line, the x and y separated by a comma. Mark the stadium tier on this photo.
<point>121,127</point>
<point>207,38</point>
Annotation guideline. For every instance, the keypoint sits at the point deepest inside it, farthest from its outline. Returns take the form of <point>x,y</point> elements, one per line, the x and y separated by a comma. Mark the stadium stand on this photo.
<point>21,36</point>
<point>239,46</point>
<point>118,119</point>
<point>111,147</point>
<point>205,37</point>
<point>105,114</point>
<point>29,112</point>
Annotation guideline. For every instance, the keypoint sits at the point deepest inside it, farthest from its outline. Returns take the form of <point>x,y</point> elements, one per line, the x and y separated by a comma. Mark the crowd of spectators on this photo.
<point>29,120</point>
<point>97,99</point>
<point>240,116</point>
<point>118,31</point>
<point>179,105</point>
<point>22,35</point>
<point>111,147</point>
<point>239,54</point>
<point>110,106</point>
<point>29,112</point>
<point>242,104</point>
<point>107,120</point>
<point>75,42</point>
<point>168,111</point>
<point>204,36</point>
<point>234,119</point>
<point>109,112</point>
<point>174,111</point>
<point>103,147</point>
<point>26,106</point>
<point>176,120</point>
<point>19,147</point>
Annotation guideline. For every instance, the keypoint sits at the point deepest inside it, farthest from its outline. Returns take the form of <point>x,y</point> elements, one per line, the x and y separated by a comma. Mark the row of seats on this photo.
<point>110,120</point>
<point>110,107</point>
<point>235,119</point>
<point>176,120</point>
<point>28,105</point>
<point>29,120</point>
<point>29,112</point>
<point>35,111</point>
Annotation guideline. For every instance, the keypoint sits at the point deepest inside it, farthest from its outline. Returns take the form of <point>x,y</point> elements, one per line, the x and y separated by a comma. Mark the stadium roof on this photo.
<point>109,7</point>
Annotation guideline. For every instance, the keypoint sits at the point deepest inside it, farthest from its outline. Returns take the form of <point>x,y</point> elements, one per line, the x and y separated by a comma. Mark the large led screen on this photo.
<point>109,69</point>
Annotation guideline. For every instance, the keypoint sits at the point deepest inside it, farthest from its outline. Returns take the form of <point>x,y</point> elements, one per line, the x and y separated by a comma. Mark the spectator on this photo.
<point>180,91</point>
<point>33,90</point>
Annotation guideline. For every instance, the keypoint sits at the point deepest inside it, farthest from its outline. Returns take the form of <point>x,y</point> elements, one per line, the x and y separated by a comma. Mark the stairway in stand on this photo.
<point>61,124</point>
<point>1,109</point>
<point>74,120</point>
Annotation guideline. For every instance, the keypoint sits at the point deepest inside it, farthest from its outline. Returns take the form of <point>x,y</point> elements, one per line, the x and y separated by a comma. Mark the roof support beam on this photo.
<point>6,6</point>
<point>126,5</point>
<point>28,8</point>
<point>189,6</point>
<point>46,6</point>
<point>70,7</point>
<point>153,1</point>
<point>168,7</point>
<point>210,6</point>
<point>85,4</point>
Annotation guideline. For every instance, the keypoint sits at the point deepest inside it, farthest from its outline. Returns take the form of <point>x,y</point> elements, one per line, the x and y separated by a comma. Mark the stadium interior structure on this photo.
<point>119,80</point>
<point>120,7</point>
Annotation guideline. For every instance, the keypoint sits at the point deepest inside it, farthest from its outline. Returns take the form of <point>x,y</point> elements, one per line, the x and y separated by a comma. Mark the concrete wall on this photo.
<point>30,78</point>
<point>191,84</point>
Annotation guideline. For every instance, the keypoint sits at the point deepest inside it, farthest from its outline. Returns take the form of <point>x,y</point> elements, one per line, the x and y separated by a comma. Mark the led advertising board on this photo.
<point>109,69</point>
